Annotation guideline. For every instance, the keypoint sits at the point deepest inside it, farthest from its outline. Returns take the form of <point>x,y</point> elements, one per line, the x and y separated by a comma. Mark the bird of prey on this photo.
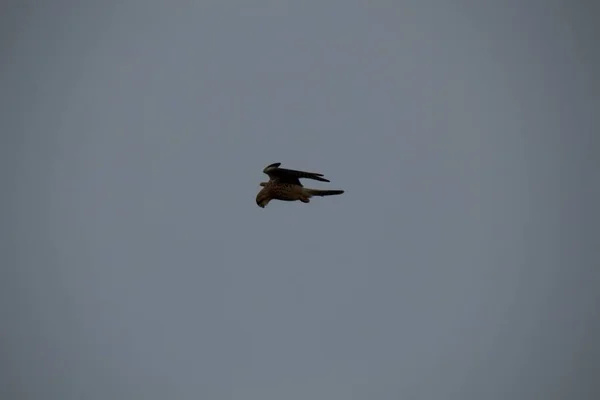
<point>284,184</point>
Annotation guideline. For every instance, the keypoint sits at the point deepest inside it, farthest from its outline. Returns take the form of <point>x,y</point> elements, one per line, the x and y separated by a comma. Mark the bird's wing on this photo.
<point>291,176</point>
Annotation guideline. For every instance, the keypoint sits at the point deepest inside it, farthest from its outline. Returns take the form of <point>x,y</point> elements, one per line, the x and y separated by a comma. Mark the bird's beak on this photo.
<point>262,203</point>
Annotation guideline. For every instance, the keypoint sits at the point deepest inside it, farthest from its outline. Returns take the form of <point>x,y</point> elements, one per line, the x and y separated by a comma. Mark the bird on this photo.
<point>284,184</point>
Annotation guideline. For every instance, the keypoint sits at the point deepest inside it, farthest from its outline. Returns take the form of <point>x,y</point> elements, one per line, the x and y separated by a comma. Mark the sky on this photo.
<point>460,263</point>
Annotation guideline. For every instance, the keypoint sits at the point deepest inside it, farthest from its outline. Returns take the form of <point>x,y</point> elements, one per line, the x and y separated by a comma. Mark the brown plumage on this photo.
<point>284,184</point>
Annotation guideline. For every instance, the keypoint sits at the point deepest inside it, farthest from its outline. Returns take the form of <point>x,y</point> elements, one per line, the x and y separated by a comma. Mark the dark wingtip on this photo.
<point>274,165</point>
<point>270,166</point>
<point>317,177</point>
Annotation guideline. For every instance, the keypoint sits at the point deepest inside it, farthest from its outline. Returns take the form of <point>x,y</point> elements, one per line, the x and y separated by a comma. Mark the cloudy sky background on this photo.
<point>461,263</point>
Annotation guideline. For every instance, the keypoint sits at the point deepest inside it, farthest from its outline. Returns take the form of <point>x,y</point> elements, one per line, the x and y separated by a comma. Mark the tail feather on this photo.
<point>317,192</point>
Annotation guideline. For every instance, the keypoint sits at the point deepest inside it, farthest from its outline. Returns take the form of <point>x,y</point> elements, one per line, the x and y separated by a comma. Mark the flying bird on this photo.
<point>284,184</point>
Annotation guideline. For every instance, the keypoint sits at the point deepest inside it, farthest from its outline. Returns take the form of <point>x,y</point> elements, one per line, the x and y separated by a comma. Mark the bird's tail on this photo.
<point>317,192</point>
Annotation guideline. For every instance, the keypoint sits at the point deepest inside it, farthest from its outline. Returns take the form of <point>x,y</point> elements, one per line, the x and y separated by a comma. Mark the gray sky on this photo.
<point>461,263</point>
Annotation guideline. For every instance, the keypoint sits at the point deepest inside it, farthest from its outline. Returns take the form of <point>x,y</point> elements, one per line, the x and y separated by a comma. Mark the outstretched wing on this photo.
<point>290,176</point>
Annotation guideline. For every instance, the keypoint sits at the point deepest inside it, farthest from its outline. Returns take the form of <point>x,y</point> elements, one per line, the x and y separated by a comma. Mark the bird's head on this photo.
<point>262,198</point>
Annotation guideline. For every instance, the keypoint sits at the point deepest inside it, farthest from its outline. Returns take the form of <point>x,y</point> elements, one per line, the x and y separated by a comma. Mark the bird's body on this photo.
<point>284,185</point>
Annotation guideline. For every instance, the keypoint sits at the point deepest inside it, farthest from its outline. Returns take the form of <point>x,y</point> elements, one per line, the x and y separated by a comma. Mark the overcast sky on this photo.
<point>461,262</point>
